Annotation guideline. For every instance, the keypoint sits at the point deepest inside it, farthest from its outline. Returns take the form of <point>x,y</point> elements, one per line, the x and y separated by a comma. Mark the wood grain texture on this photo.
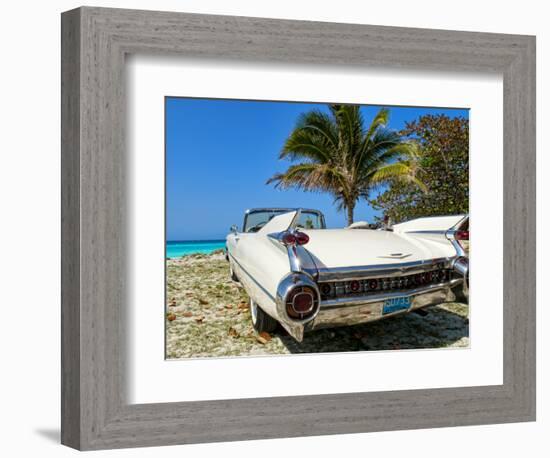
<point>70,229</point>
<point>95,413</point>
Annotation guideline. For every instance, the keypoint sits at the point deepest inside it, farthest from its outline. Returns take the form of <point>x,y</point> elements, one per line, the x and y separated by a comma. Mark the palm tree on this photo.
<point>338,155</point>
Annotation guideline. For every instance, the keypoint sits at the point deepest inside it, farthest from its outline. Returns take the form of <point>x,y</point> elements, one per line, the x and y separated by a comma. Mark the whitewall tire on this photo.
<point>232,272</point>
<point>261,321</point>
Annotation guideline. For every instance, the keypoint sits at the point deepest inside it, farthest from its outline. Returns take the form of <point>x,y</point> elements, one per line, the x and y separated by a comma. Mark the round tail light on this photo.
<point>301,302</point>
<point>326,288</point>
<point>295,238</point>
<point>354,286</point>
<point>289,238</point>
<point>462,235</point>
<point>301,238</point>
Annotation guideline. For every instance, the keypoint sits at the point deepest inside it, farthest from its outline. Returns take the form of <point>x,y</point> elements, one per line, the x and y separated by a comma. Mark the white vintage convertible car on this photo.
<point>304,276</point>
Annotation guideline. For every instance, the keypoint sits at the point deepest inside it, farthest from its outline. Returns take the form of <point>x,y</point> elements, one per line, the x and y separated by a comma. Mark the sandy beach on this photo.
<point>207,315</point>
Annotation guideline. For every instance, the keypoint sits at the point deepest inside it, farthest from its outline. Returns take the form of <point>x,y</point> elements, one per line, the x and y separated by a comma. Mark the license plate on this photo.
<point>396,304</point>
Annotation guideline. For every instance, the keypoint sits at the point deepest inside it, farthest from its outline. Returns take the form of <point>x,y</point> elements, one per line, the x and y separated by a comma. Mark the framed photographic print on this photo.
<point>286,228</point>
<point>223,292</point>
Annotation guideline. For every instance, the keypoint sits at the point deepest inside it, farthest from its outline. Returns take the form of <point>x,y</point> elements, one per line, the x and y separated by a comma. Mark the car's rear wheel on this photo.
<point>232,273</point>
<point>261,321</point>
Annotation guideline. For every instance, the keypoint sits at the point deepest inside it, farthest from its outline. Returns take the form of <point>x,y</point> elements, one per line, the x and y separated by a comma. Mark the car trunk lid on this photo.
<point>335,248</point>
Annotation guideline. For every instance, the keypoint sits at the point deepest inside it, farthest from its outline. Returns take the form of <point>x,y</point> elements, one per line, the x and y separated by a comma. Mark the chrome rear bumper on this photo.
<point>350,311</point>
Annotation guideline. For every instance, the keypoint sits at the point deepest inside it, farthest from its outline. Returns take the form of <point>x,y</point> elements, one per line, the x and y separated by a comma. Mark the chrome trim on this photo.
<point>286,285</point>
<point>461,263</point>
<point>357,300</point>
<point>462,267</point>
<point>253,311</point>
<point>395,256</point>
<point>295,219</point>
<point>372,311</point>
<point>284,210</point>
<point>442,232</point>
<point>293,259</point>
<point>458,248</point>
<point>376,270</point>
<point>450,234</point>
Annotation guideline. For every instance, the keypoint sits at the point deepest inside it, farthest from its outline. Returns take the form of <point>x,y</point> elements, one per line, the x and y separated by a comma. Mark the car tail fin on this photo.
<point>430,224</point>
<point>279,223</point>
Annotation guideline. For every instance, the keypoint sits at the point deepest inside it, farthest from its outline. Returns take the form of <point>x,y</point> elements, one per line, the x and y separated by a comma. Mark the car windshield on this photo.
<point>255,220</point>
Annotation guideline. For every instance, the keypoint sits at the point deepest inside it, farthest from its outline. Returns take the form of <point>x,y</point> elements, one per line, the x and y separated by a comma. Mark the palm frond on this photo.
<point>389,171</point>
<point>388,151</point>
<point>338,155</point>
<point>317,126</point>
<point>308,177</point>
<point>350,126</point>
<point>398,171</point>
<point>380,120</point>
<point>303,143</point>
<point>372,147</point>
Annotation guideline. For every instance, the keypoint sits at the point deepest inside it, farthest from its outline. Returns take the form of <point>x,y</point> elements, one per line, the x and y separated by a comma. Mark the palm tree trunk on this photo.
<point>350,209</point>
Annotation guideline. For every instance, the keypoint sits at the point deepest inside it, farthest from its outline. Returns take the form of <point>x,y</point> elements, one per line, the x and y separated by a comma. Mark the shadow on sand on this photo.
<point>439,328</point>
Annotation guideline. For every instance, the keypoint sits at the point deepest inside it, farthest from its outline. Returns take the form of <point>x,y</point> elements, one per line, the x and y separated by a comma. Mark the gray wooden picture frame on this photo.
<point>95,413</point>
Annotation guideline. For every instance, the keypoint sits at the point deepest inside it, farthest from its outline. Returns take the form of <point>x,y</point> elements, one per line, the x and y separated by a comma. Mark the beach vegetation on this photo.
<point>442,165</point>
<point>338,153</point>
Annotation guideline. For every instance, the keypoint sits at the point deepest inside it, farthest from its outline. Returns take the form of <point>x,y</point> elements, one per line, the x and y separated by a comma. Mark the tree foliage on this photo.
<point>442,165</point>
<point>337,153</point>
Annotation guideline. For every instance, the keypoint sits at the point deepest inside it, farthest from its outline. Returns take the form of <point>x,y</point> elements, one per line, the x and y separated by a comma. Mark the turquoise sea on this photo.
<point>177,249</point>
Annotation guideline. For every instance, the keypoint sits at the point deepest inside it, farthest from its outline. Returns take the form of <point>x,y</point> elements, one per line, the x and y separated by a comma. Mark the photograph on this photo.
<point>295,227</point>
<point>242,229</point>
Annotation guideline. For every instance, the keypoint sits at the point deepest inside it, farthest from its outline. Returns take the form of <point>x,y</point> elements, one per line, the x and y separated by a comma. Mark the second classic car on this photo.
<point>304,276</point>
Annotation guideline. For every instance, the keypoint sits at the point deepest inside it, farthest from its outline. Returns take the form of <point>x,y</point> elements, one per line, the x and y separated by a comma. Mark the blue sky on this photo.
<point>219,154</point>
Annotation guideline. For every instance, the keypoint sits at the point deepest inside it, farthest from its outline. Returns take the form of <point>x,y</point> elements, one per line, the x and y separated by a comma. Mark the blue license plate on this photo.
<point>396,304</point>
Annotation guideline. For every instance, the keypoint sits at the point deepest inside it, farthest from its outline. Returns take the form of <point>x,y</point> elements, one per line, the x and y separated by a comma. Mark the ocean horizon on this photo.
<point>180,248</point>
